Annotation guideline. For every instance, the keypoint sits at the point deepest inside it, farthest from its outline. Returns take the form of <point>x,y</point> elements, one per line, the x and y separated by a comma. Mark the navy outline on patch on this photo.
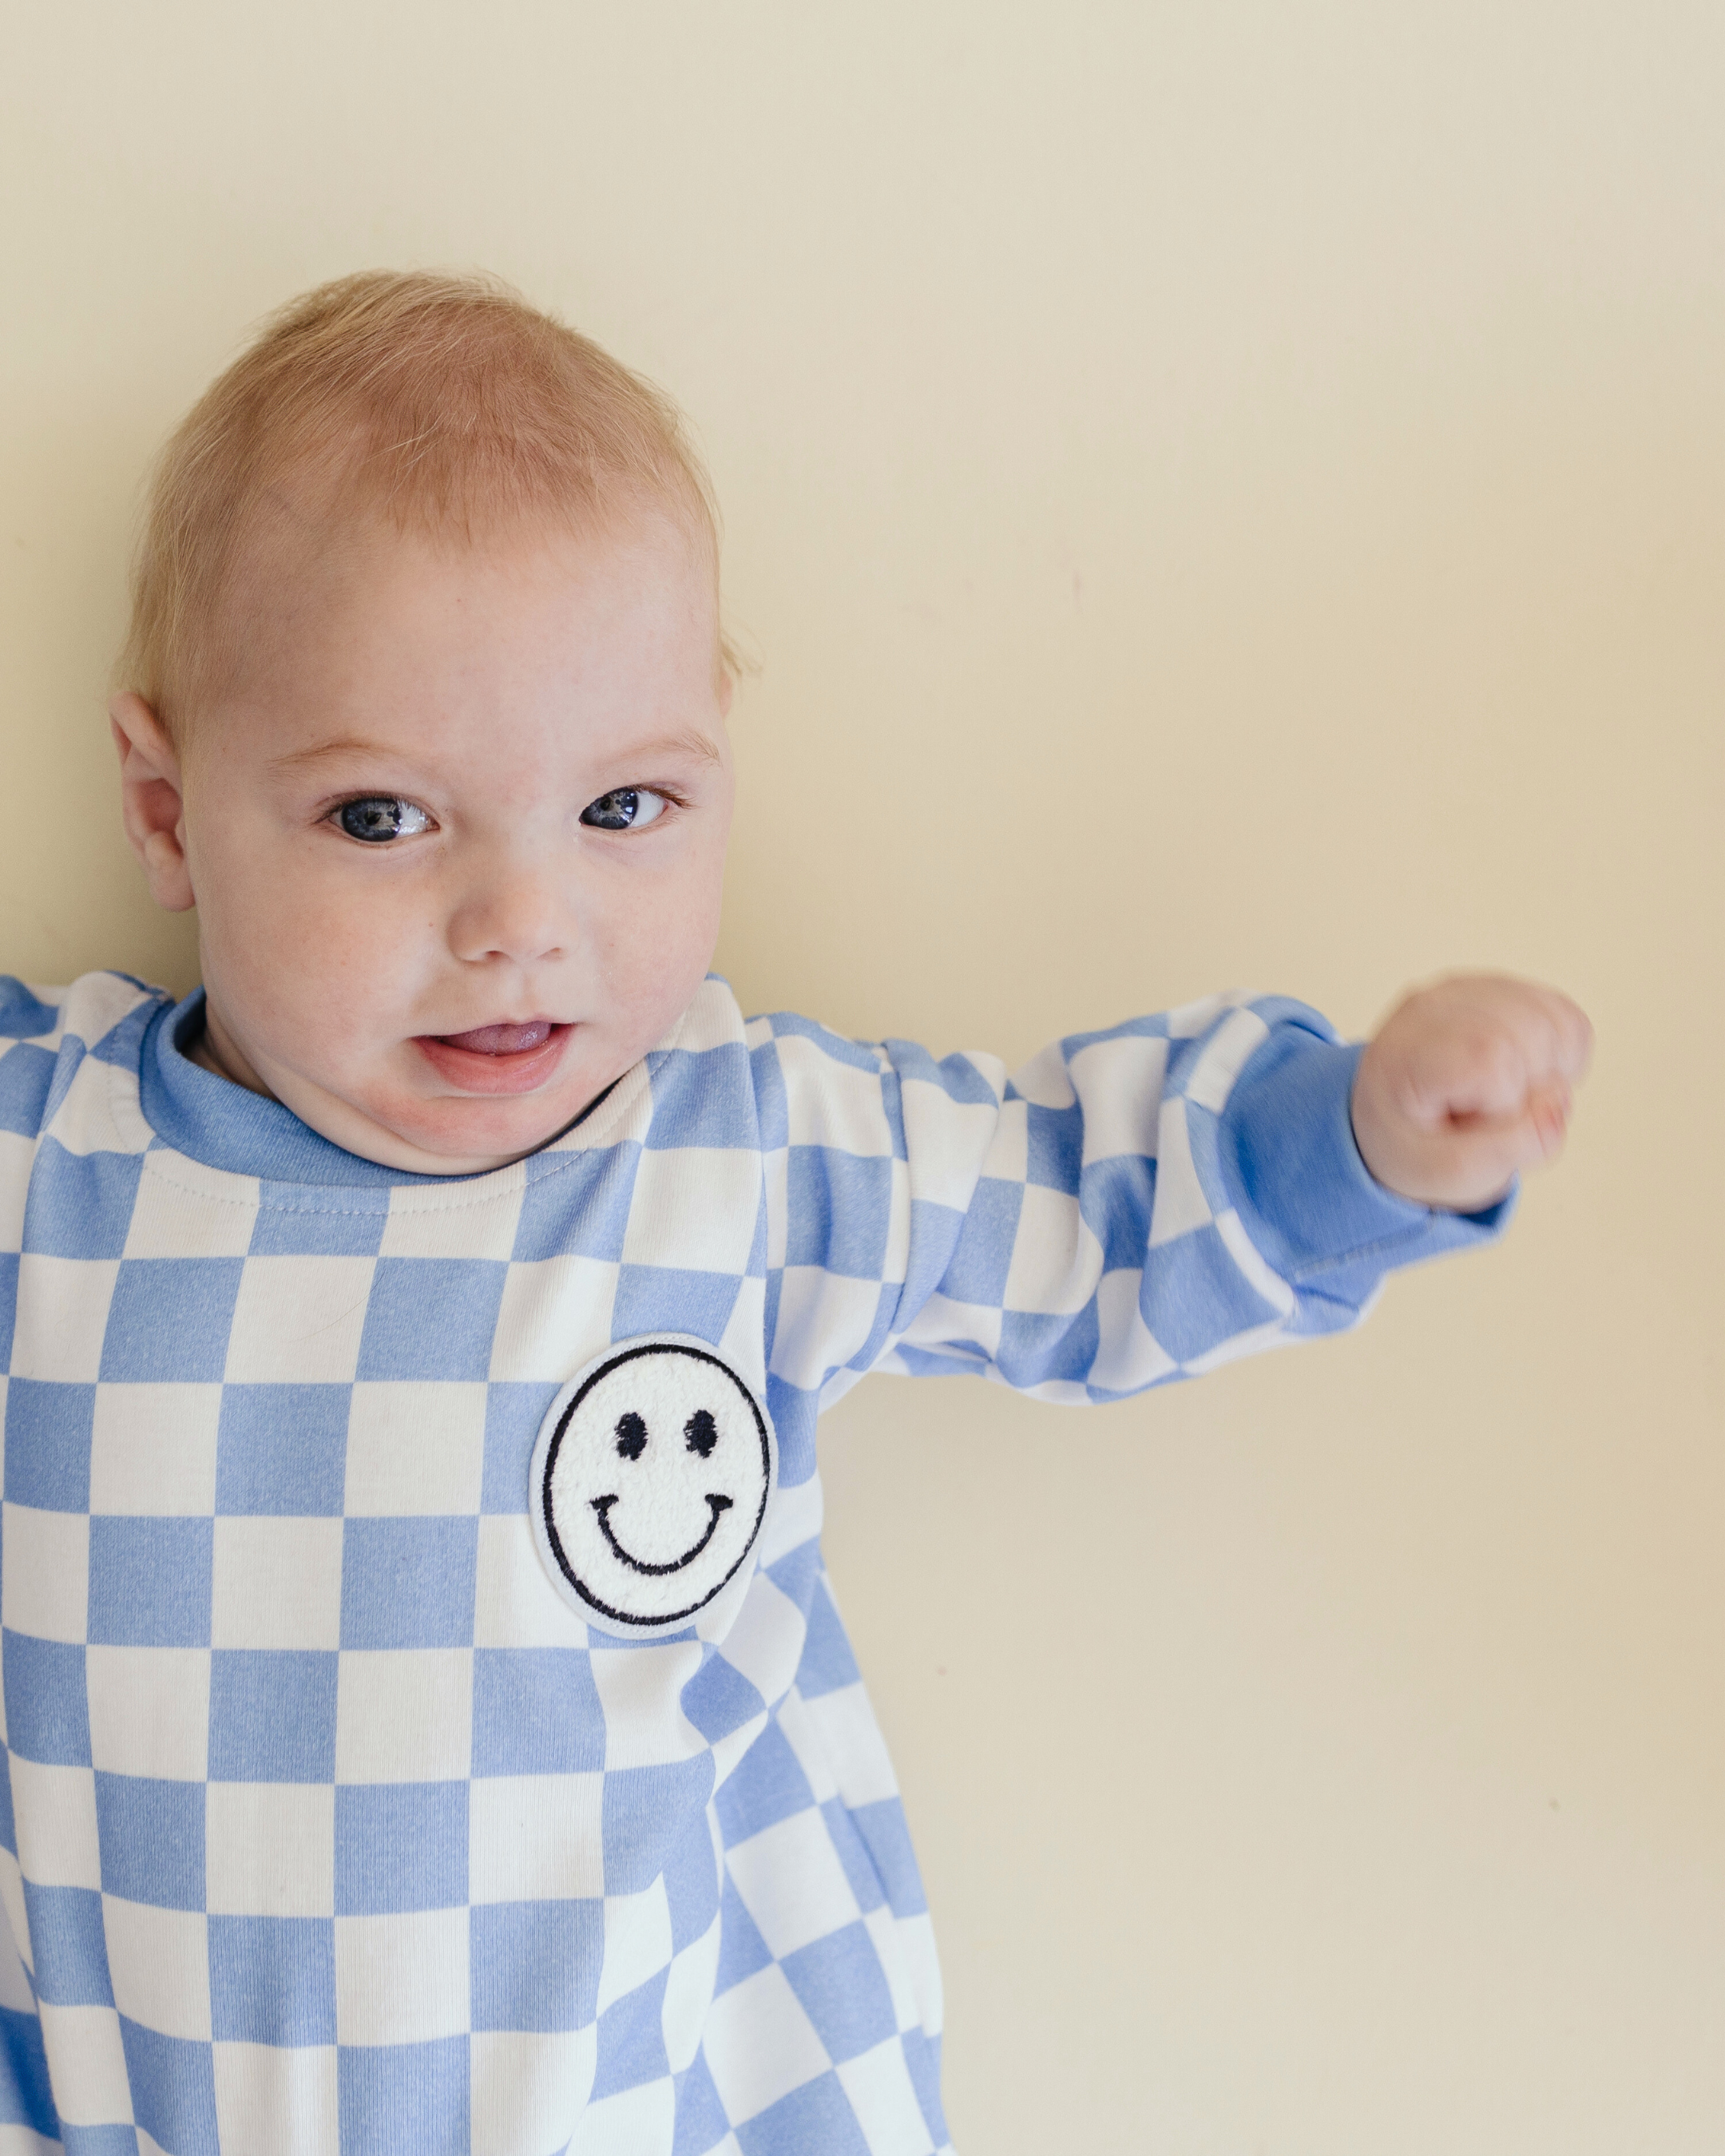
<point>583,1598</point>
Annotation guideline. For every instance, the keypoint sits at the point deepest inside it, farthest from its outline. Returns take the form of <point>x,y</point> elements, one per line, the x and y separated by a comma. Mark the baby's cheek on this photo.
<point>655,956</point>
<point>326,979</point>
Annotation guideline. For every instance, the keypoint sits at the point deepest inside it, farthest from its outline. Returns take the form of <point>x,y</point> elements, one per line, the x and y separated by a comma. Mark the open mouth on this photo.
<point>515,1055</point>
<point>717,1505</point>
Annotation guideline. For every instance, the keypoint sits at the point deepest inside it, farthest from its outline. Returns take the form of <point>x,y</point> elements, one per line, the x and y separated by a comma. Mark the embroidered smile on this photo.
<point>718,1506</point>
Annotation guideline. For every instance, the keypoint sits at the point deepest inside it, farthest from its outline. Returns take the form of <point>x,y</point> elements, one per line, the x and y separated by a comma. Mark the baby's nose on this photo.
<point>516,910</point>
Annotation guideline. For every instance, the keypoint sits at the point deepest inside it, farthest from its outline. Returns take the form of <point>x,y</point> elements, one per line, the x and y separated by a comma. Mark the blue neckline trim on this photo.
<point>211,1120</point>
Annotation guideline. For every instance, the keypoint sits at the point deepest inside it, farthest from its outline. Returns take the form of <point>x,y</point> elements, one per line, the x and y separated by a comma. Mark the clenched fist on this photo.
<point>1465,1084</point>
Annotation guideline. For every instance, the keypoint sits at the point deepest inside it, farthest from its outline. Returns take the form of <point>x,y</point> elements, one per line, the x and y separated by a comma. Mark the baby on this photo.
<point>429,1726</point>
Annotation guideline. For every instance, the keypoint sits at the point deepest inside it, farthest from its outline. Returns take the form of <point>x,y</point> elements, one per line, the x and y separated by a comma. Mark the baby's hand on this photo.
<point>1465,1084</point>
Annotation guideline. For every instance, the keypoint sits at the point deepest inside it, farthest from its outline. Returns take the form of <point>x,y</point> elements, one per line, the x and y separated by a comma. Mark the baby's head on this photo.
<point>424,708</point>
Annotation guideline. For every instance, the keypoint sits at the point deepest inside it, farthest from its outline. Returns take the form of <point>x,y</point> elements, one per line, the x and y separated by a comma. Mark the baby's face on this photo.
<point>456,836</point>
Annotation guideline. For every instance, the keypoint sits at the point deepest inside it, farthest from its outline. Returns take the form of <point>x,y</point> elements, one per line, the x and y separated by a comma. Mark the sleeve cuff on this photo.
<point>1307,1200</point>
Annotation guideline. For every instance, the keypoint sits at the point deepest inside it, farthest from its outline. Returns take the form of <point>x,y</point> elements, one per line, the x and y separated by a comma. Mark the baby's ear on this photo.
<point>151,800</point>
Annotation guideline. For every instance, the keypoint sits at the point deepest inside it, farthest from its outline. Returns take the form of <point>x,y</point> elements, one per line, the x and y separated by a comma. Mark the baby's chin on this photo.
<point>425,1132</point>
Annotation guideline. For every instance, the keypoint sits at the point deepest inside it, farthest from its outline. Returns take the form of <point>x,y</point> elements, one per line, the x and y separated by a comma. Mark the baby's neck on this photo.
<point>212,1050</point>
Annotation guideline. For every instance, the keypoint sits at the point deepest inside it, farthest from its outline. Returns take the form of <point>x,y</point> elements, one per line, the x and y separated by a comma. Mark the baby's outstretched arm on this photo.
<point>1465,1084</point>
<point>1142,1204</point>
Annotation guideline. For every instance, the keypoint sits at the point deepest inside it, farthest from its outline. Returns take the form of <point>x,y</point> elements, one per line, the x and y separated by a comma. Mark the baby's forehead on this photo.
<point>325,592</point>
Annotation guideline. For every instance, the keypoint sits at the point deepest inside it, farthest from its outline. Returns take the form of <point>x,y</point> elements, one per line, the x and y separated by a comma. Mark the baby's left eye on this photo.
<point>378,817</point>
<point>627,809</point>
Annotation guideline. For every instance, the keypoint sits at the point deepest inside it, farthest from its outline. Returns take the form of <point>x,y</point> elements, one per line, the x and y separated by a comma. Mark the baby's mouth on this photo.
<point>501,1040</point>
<point>514,1056</point>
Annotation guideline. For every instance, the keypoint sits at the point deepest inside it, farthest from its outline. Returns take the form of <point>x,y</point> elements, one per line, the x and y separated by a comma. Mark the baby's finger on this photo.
<point>1482,1071</point>
<point>1557,1033</point>
<point>1474,1161</point>
<point>1548,1118</point>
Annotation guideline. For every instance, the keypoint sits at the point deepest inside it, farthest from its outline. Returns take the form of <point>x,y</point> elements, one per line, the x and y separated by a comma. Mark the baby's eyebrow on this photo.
<point>691,742</point>
<point>347,745</point>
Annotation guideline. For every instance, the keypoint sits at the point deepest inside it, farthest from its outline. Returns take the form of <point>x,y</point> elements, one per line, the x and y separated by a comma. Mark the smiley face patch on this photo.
<point>650,1482</point>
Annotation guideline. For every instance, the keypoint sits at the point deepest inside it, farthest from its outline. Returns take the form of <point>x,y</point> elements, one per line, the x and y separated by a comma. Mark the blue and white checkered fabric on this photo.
<point>327,1826</point>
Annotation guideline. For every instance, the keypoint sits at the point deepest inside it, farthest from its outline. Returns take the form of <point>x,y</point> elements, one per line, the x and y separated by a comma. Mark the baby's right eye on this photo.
<point>376,818</point>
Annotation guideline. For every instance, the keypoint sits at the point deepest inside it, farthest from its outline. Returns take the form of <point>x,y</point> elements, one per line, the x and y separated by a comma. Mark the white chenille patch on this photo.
<point>649,1484</point>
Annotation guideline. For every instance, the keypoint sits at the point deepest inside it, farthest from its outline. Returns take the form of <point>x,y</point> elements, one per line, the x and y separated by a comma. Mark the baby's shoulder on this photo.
<point>43,1031</point>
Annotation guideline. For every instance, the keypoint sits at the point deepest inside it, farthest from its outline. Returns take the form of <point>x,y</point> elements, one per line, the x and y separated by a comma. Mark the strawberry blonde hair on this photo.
<point>439,405</point>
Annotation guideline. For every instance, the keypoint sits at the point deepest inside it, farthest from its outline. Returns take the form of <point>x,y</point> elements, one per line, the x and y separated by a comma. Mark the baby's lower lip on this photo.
<point>497,1059</point>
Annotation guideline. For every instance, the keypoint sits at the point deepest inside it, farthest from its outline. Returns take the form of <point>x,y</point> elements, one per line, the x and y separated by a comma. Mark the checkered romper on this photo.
<point>327,1824</point>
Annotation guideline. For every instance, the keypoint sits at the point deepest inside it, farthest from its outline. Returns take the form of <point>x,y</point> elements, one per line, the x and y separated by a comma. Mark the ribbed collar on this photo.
<point>213,1120</point>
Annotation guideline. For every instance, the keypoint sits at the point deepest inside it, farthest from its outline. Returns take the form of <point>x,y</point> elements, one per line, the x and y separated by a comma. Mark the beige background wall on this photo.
<point>1223,494</point>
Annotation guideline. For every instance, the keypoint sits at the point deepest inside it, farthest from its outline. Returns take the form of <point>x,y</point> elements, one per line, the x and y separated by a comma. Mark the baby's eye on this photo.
<point>627,809</point>
<point>377,817</point>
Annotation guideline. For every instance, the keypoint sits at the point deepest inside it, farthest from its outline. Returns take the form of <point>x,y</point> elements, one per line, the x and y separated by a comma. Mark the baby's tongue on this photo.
<point>500,1039</point>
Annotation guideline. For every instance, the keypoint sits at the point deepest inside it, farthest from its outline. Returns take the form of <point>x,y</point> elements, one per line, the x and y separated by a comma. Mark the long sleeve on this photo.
<point>1132,1206</point>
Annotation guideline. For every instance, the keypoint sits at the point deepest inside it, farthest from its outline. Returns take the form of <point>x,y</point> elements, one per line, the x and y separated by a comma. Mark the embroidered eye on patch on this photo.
<point>650,1482</point>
